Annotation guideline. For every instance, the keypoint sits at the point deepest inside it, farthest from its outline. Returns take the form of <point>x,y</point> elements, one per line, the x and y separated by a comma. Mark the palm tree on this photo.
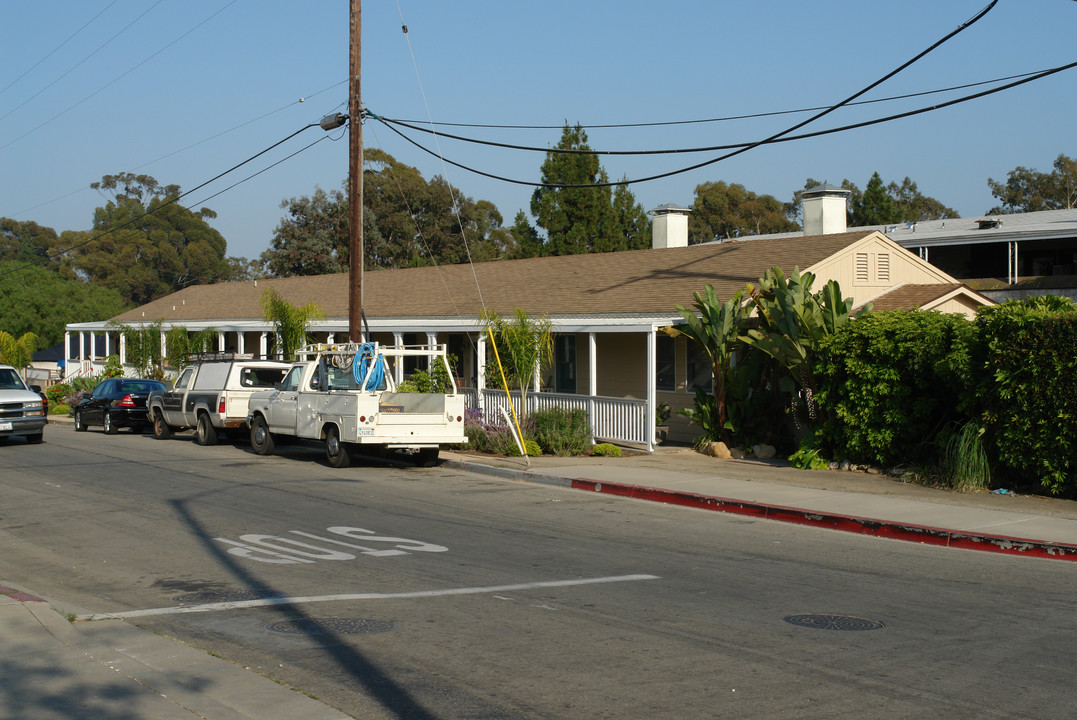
<point>292,324</point>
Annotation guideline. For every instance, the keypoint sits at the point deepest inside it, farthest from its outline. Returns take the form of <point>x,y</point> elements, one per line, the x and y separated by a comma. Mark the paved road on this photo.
<point>472,597</point>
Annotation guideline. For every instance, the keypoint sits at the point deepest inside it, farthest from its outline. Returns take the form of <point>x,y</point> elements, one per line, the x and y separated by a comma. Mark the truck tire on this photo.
<point>35,439</point>
<point>336,452</point>
<point>110,429</point>
<point>80,426</point>
<point>161,429</point>
<point>261,439</point>
<point>204,432</point>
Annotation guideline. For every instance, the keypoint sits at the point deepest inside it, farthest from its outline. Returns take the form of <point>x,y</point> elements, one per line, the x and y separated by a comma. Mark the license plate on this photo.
<point>363,432</point>
<point>5,426</point>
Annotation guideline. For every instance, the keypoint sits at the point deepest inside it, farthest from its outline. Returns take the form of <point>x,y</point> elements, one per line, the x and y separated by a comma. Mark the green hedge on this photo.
<point>891,381</point>
<point>1028,390</point>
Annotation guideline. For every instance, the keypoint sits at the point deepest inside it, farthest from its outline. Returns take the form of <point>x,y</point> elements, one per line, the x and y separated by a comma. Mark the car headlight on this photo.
<point>30,409</point>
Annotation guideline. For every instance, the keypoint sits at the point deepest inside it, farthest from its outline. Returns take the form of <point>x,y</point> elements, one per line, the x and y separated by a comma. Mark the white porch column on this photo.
<point>330,338</point>
<point>480,384</point>
<point>652,387</point>
<point>93,346</point>
<point>220,341</point>
<point>164,345</point>
<point>431,341</point>
<point>123,349</point>
<point>592,381</point>
<point>398,366</point>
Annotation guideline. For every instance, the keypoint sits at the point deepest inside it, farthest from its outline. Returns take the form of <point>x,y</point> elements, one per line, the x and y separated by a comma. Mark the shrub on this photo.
<point>889,382</point>
<point>59,409</point>
<point>1029,391</point>
<point>606,450</point>
<point>57,393</point>
<point>562,432</point>
<point>964,460</point>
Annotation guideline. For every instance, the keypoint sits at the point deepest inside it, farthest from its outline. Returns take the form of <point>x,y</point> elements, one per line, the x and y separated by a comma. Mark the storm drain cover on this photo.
<point>330,626</point>
<point>833,622</point>
<point>216,596</point>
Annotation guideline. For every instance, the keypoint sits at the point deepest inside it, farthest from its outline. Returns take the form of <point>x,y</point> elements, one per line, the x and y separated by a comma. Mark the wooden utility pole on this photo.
<point>355,180</point>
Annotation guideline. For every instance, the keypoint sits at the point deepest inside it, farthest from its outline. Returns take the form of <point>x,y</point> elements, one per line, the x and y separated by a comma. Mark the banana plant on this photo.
<point>715,327</point>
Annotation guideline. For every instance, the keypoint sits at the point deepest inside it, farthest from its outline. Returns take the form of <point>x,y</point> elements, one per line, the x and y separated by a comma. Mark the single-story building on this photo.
<point>607,311</point>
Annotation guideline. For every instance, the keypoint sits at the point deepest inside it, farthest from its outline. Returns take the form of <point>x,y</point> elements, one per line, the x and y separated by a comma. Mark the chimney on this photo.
<point>823,208</point>
<point>669,228</point>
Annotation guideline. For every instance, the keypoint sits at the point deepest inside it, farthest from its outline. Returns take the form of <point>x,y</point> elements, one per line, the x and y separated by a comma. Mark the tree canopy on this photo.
<point>144,256</point>
<point>584,219</point>
<point>722,210</point>
<point>407,222</point>
<point>1027,190</point>
<point>43,302</point>
<point>879,205</point>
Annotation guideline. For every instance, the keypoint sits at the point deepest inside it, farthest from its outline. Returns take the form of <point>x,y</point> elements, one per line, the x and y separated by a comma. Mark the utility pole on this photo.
<point>355,180</point>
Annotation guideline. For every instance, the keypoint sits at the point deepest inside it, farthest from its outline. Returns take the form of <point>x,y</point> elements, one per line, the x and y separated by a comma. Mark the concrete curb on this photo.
<point>908,532</point>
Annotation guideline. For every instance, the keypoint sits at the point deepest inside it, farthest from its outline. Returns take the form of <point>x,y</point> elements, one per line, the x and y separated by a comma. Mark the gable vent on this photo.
<point>862,268</point>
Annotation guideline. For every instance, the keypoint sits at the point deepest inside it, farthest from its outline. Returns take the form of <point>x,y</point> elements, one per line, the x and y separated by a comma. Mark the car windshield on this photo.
<point>10,380</point>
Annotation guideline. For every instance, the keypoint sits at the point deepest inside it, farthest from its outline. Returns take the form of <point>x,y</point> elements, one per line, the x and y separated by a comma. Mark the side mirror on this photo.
<point>36,388</point>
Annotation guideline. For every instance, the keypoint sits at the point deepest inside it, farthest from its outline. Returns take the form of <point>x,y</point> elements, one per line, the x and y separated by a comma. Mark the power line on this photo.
<point>700,121</point>
<point>55,49</point>
<point>1026,78</point>
<point>772,138</point>
<point>116,79</point>
<point>170,201</point>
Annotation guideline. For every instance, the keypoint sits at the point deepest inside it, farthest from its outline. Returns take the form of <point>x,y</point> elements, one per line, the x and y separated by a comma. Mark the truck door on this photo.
<point>172,402</point>
<point>280,413</point>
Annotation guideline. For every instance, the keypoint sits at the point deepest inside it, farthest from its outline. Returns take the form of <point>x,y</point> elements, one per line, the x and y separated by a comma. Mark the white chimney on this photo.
<point>823,207</point>
<point>669,228</point>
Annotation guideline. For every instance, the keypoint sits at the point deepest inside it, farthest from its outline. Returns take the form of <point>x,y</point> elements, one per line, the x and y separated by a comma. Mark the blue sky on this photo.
<point>191,88</point>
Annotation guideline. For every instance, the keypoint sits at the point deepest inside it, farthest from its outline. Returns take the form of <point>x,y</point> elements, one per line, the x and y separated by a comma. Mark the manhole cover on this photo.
<point>330,626</point>
<point>216,596</point>
<point>833,622</point>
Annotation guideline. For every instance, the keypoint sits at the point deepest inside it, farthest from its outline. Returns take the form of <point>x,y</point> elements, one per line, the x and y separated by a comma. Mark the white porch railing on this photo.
<point>621,420</point>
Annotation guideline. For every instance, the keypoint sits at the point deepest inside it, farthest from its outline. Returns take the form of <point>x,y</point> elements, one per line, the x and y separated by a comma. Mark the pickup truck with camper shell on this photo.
<point>345,396</point>
<point>22,408</point>
<point>210,396</point>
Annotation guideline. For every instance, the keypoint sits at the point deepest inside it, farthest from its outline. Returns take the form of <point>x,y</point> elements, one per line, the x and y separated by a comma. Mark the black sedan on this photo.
<point>116,403</point>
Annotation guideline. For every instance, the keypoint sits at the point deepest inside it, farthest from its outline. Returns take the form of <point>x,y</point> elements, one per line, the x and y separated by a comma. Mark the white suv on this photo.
<point>22,411</point>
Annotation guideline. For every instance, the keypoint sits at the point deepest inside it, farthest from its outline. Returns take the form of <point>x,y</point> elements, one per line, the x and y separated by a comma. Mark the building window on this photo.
<point>665,363</point>
<point>699,370</point>
<point>565,364</point>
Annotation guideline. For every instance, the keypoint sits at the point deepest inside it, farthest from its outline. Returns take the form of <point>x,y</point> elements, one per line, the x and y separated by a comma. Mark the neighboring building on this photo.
<point>607,310</point>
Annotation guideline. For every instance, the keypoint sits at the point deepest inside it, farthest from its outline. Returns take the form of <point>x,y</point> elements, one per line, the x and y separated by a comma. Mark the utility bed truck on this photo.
<point>210,395</point>
<point>345,396</point>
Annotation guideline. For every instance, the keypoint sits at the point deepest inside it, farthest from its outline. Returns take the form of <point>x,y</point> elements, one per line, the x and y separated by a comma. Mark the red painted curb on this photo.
<point>19,595</point>
<point>846,523</point>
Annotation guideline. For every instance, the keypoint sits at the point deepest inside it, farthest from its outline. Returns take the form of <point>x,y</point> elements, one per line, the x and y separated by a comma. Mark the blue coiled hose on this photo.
<point>365,363</point>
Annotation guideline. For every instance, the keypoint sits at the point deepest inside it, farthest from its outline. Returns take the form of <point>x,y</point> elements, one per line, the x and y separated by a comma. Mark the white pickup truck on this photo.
<point>211,394</point>
<point>345,396</point>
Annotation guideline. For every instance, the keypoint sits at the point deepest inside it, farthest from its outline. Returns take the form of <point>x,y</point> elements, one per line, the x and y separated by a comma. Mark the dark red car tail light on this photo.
<point>127,401</point>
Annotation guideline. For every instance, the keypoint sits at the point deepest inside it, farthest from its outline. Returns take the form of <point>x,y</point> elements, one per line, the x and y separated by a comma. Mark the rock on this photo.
<point>718,450</point>
<point>737,453</point>
<point>846,465</point>
<point>764,452</point>
<point>834,466</point>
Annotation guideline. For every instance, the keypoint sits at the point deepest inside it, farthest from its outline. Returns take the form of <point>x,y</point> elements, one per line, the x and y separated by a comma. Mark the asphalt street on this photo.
<point>394,592</point>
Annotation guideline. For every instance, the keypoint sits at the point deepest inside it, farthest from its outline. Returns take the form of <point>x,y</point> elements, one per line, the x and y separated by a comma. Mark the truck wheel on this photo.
<point>204,432</point>
<point>110,429</point>
<point>161,430</point>
<point>80,426</point>
<point>426,457</point>
<point>336,452</point>
<point>261,439</point>
<point>35,439</point>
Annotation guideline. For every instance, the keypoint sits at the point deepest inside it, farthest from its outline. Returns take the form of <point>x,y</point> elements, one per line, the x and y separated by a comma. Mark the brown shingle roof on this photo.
<point>636,281</point>
<point>911,297</point>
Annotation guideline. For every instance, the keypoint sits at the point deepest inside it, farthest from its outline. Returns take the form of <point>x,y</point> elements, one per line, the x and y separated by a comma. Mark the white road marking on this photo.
<point>268,602</point>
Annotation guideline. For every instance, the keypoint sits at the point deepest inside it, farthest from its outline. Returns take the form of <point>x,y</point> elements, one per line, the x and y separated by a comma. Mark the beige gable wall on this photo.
<point>874,266</point>
<point>959,303</point>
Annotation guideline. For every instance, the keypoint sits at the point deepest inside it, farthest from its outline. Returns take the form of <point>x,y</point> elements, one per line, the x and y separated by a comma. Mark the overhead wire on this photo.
<point>946,38</point>
<point>116,79</point>
<point>74,67</point>
<point>700,121</point>
<point>192,145</point>
<point>57,48</point>
<point>746,145</point>
<point>166,203</point>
